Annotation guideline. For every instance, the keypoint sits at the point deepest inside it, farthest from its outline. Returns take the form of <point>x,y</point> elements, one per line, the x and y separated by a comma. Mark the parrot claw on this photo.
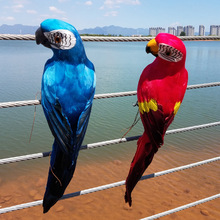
<point>128,198</point>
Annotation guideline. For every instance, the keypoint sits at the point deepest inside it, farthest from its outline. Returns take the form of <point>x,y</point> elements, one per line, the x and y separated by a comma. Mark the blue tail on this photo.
<point>60,173</point>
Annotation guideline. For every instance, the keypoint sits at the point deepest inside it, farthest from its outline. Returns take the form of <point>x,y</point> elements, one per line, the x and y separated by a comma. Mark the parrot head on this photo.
<point>61,37</point>
<point>168,47</point>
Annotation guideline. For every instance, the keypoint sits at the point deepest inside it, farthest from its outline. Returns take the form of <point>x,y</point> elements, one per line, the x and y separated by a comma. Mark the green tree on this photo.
<point>182,33</point>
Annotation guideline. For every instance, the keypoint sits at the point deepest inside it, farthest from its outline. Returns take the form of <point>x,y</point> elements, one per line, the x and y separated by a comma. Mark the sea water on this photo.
<point>118,67</point>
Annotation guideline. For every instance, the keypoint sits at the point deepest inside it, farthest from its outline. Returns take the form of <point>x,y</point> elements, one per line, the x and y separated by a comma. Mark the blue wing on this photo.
<point>68,124</point>
<point>83,122</point>
<point>59,124</point>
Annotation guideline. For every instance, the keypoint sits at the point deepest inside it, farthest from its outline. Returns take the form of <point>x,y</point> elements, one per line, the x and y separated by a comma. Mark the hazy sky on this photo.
<point>125,13</point>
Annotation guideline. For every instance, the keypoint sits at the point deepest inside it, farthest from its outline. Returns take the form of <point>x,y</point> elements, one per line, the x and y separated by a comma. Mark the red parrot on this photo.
<point>160,92</point>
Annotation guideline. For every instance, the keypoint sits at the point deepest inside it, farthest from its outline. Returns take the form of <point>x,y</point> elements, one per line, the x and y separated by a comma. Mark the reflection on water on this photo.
<point>118,67</point>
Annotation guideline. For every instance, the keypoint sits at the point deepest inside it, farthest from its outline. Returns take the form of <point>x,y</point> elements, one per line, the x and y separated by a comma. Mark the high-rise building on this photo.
<point>160,30</point>
<point>215,30</point>
<point>179,30</point>
<point>201,30</point>
<point>153,31</point>
<point>189,30</point>
<point>172,30</point>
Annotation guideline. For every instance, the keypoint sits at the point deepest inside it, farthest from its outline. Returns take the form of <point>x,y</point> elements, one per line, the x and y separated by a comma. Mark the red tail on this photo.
<point>142,159</point>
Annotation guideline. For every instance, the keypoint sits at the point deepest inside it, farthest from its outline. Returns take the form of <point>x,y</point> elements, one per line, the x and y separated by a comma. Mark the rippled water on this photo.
<point>118,67</point>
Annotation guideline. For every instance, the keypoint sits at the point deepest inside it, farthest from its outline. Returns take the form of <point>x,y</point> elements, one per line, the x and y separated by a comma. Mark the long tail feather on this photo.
<point>61,170</point>
<point>142,159</point>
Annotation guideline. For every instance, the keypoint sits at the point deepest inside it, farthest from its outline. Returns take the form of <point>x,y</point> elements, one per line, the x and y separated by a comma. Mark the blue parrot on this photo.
<point>68,88</point>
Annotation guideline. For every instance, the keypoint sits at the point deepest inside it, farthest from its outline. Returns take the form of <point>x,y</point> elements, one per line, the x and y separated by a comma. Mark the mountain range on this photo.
<point>17,29</point>
<point>115,30</point>
<point>106,30</point>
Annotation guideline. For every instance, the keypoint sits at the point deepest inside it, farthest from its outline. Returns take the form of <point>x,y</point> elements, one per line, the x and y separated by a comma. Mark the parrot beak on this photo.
<point>41,39</point>
<point>152,47</point>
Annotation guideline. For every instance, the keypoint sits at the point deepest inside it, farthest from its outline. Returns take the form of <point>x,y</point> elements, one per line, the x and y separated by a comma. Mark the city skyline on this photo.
<point>188,30</point>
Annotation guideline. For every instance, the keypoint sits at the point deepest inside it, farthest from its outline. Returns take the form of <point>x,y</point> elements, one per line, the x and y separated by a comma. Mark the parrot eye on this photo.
<point>169,53</point>
<point>58,39</point>
<point>61,39</point>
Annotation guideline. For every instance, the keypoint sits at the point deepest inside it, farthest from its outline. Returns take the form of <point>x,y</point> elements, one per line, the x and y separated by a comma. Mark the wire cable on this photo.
<point>108,186</point>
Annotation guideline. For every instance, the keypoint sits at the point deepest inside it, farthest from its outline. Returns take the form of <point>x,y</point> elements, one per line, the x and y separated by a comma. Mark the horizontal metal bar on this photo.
<point>100,96</point>
<point>105,143</point>
<point>108,186</point>
<point>107,38</point>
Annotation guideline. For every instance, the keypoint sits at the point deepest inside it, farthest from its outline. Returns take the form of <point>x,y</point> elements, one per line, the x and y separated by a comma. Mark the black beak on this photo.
<point>148,50</point>
<point>41,39</point>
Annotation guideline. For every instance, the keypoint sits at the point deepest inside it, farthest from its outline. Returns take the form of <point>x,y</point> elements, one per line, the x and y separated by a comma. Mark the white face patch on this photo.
<point>61,39</point>
<point>169,53</point>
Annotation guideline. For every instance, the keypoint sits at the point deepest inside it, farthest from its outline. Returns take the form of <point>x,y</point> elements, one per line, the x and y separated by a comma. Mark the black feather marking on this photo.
<point>169,53</point>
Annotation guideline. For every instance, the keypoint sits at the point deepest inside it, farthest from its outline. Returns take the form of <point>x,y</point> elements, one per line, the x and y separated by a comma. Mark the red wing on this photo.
<point>155,124</point>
